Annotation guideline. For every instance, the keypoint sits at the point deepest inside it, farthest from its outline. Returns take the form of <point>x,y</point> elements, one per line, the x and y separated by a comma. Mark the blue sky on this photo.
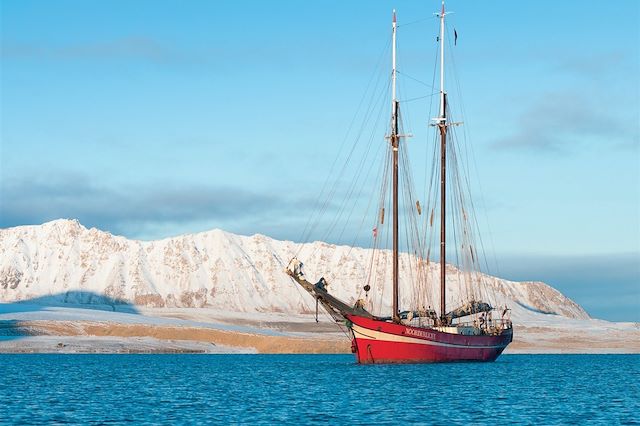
<point>155,118</point>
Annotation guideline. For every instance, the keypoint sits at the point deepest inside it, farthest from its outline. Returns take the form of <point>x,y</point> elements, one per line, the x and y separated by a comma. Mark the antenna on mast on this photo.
<point>393,59</point>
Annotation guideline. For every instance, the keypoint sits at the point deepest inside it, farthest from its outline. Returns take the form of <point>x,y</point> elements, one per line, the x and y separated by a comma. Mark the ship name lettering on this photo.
<point>420,333</point>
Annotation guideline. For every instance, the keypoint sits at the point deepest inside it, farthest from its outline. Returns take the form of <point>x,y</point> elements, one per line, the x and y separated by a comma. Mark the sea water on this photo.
<point>302,389</point>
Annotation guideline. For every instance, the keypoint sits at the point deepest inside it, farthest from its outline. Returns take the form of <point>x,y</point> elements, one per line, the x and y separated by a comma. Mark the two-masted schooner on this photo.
<point>467,333</point>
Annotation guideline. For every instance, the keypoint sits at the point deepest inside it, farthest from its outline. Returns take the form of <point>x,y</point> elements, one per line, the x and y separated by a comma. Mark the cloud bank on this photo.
<point>564,121</point>
<point>138,209</point>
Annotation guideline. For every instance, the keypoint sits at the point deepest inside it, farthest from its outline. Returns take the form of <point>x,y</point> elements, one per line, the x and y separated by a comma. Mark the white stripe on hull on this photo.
<point>365,333</point>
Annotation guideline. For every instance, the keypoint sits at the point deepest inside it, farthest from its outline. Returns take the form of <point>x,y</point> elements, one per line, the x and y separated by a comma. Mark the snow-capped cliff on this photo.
<point>64,261</point>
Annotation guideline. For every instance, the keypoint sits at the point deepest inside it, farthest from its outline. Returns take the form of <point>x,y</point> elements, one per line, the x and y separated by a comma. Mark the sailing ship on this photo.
<point>423,335</point>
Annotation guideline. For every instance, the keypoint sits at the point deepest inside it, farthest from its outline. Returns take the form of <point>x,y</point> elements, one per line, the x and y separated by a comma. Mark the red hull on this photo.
<point>376,341</point>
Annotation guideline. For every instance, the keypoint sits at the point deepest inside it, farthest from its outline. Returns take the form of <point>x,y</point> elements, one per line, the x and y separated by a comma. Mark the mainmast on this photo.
<point>442,125</point>
<point>394,144</point>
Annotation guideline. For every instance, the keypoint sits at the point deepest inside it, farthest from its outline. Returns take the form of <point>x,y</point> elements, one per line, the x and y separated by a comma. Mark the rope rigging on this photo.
<point>420,218</point>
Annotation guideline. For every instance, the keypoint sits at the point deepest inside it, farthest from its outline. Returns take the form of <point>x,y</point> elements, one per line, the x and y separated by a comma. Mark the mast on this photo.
<point>442,125</point>
<point>394,144</point>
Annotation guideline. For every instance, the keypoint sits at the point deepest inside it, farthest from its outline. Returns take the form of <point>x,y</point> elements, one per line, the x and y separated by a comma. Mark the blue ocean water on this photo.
<point>302,389</point>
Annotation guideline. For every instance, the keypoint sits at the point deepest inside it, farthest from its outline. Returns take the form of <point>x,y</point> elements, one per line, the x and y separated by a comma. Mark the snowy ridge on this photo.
<point>66,262</point>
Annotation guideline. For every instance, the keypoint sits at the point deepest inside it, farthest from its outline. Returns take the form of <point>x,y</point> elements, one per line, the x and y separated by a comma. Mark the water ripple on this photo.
<point>294,389</point>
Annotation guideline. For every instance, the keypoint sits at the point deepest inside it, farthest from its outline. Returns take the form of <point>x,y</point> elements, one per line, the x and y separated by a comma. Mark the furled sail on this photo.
<point>469,308</point>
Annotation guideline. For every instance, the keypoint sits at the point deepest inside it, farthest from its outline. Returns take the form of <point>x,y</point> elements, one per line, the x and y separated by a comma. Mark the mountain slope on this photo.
<point>65,262</point>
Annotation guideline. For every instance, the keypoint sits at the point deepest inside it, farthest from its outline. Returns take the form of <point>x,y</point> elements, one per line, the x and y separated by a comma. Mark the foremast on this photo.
<point>394,138</point>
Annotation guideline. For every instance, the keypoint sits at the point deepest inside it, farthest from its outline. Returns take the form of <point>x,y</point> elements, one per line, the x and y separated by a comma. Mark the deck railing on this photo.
<point>488,326</point>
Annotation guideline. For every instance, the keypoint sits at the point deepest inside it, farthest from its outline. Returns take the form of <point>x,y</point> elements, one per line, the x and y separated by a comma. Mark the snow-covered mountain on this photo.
<point>63,261</point>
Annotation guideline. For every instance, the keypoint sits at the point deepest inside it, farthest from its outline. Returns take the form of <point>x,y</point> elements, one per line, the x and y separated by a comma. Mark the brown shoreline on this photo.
<point>261,343</point>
